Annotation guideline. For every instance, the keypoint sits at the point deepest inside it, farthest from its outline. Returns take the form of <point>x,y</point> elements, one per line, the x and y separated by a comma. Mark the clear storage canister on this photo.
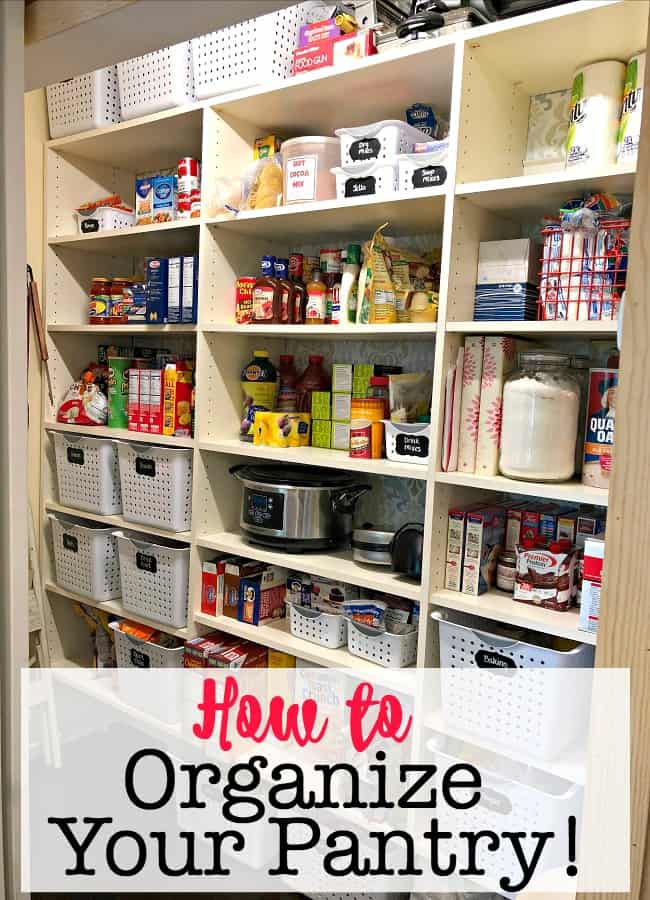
<point>541,404</point>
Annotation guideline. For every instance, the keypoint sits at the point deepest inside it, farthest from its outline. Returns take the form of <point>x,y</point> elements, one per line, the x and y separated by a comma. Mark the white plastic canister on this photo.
<point>307,163</point>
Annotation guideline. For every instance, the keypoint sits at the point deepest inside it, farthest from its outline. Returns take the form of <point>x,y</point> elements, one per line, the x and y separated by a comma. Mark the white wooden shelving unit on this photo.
<point>482,79</point>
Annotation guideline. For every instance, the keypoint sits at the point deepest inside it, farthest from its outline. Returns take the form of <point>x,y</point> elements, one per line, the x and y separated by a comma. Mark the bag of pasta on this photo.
<point>262,184</point>
<point>377,304</point>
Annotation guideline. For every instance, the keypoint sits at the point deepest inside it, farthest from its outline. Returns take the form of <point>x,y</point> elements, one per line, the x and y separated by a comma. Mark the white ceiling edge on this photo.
<point>131,31</point>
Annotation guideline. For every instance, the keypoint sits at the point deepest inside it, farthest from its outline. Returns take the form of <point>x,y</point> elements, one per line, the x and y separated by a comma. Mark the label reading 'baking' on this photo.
<point>429,176</point>
<point>146,562</point>
<point>75,456</point>
<point>360,187</point>
<point>489,659</point>
<point>364,149</point>
<point>145,467</point>
<point>301,178</point>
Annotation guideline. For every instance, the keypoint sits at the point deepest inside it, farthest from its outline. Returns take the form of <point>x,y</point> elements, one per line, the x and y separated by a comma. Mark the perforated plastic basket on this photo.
<point>327,629</point>
<point>249,53</point>
<point>154,576</point>
<point>534,715</point>
<point>156,81</point>
<point>394,651</point>
<point>373,179</point>
<point>87,473</point>
<point>156,485</point>
<point>377,141</point>
<point>85,557</point>
<point>133,653</point>
<point>82,103</point>
<point>109,218</point>
<point>419,171</point>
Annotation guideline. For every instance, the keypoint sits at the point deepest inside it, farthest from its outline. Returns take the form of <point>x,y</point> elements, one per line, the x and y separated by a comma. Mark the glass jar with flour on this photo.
<point>541,405</point>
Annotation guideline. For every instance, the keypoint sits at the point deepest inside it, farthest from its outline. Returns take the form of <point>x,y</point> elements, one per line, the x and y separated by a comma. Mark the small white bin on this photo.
<point>87,473</point>
<point>507,711</point>
<point>394,651</point>
<point>154,575</point>
<point>156,485</point>
<point>86,560</point>
<point>408,441</point>
<point>373,179</point>
<point>108,218</point>
<point>419,171</point>
<point>252,52</point>
<point>378,141</point>
<point>156,81</point>
<point>327,629</point>
<point>83,103</point>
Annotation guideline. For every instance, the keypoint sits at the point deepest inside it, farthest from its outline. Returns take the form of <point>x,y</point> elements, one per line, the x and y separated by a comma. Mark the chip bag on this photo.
<point>377,303</point>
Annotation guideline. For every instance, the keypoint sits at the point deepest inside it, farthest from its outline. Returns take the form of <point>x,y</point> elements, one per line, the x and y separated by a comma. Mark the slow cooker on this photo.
<point>297,508</point>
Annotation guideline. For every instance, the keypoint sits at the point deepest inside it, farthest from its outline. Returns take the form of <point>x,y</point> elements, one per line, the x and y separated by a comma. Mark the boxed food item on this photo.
<point>484,534</point>
<point>235,569</point>
<point>457,518</point>
<point>177,401</point>
<point>261,597</point>
<point>199,649</point>
<point>592,580</point>
<point>157,281</point>
<point>545,576</point>
<point>133,406</point>
<point>279,660</point>
<point>212,585</point>
<point>144,200</point>
<point>508,262</point>
<point>328,595</point>
<point>266,146</point>
<point>341,407</point>
<point>164,200</point>
<point>190,289</point>
<point>340,439</point>
<point>174,289</point>
<point>321,433</point>
<point>242,655</point>
<point>144,399</point>
<point>342,378</point>
<point>358,45</point>
<point>589,525</point>
<point>321,405</point>
<point>155,410</point>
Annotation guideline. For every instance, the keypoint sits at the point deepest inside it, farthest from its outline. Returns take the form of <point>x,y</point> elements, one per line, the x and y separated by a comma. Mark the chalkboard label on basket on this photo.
<point>489,659</point>
<point>360,187</point>
<point>429,176</point>
<point>365,148</point>
<point>75,456</point>
<point>412,445</point>
<point>145,466</point>
<point>146,562</point>
<point>71,543</point>
<point>139,659</point>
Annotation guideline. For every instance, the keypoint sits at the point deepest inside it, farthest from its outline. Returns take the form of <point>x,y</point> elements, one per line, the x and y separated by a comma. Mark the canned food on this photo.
<point>360,439</point>
<point>330,262</point>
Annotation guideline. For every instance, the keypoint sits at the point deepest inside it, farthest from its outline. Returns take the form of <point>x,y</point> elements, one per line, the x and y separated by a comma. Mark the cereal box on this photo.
<point>599,428</point>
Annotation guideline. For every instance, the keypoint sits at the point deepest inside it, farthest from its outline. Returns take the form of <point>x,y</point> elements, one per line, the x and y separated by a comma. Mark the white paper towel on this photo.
<point>629,131</point>
<point>596,98</point>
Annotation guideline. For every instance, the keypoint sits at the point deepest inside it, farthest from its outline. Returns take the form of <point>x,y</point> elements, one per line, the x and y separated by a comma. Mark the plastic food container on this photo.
<point>307,166</point>
<point>377,141</point>
<point>408,441</point>
<point>422,170</point>
<point>378,179</point>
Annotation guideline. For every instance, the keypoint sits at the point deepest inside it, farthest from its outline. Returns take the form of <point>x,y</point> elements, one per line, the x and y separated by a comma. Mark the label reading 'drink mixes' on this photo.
<point>301,178</point>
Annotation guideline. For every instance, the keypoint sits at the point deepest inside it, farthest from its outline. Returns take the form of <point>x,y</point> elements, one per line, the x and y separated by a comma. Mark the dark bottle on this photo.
<point>300,291</point>
<point>267,295</point>
<point>314,378</point>
<point>287,392</point>
<point>288,290</point>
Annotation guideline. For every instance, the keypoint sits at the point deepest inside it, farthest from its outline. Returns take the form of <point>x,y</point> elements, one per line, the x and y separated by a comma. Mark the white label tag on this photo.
<point>301,178</point>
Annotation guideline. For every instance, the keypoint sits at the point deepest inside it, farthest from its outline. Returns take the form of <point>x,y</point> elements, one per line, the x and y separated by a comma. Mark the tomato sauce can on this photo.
<point>360,439</point>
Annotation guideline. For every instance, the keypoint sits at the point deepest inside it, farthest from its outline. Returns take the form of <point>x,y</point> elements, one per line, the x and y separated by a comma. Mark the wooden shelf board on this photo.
<point>571,491</point>
<point>139,240</point>
<point>337,564</point>
<point>133,328</point>
<point>500,607</point>
<point>116,608</point>
<point>120,434</point>
<point>315,456</point>
<point>541,329</point>
<point>342,332</point>
<point>408,213</point>
<point>118,522</point>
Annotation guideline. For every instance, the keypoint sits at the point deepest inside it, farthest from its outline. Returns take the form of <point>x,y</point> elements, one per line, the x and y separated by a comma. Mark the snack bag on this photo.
<point>377,303</point>
<point>262,184</point>
<point>272,429</point>
<point>84,403</point>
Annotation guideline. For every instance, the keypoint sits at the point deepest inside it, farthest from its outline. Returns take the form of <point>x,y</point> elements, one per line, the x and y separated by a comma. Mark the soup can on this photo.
<point>360,439</point>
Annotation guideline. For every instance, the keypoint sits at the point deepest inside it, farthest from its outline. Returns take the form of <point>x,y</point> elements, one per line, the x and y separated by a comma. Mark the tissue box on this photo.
<point>508,262</point>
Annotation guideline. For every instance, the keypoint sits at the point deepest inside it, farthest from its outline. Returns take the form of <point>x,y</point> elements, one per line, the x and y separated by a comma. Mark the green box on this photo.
<point>340,436</point>
<point>320,433</point>
<point>363,372</point>
<point>341,378</point>
<point>321,405</point>
<point>341,407</point>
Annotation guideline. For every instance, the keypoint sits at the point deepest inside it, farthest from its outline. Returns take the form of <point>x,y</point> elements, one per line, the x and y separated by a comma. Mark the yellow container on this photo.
<point>281,429</point>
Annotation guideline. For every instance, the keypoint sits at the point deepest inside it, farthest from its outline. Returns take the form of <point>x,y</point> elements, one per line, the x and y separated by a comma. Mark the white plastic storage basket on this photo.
<point>86,560</point>
<point>378,141</point>
<point>421,170</point>
<point>535,714</point>
<point>327,629</point>
<point>82,103</point>
<point>154,576</point>
<point>156,81</point>
<point>88,473</point>
<point>394,651</point>
<point>156,485</point>
<point>249,53</point>
<point>373,179</point>
<point>133,653</point>
<point>108,218</point>
<point>408,441</point>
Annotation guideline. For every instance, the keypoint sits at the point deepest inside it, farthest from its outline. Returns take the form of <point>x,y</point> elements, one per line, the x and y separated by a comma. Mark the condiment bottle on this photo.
<point>300,291</point>
<point>314,378</point>
<point>281,267</point>
<point>259,383</point>
<point>267,295</point>
<point>316,308</point>
<point>350,284</point>
<point>287,392</point>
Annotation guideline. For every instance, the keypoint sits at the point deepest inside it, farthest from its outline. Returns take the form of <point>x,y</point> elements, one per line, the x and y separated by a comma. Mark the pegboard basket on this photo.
<point>156,81</point>
<point>134,653</point>
<point>326,629</point>
<point>156,485</point>
<point>86,560</point>
<point>373,179</point>
<point>534,716</point>
<point>393,651</point>
<point>378,142</point>
<point>154,575</point>
<point>88,474</point>
<point>83,103</point>
<point>108,218</point>
<point>247,54</point>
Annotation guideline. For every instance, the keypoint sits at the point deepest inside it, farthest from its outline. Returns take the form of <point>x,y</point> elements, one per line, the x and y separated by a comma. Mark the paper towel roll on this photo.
<point>596,98</point>
<point>629,131</point>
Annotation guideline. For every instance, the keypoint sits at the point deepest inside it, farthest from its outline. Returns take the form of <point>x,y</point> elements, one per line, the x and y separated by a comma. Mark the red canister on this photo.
<point>360,439</point>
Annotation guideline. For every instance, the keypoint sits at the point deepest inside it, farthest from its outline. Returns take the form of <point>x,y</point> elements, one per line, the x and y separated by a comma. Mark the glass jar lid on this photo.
<point>531,358</point>
<point>508,556</point>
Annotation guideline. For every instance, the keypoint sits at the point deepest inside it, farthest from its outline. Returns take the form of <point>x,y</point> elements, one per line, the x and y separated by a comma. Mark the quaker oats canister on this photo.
<point>599,427</point>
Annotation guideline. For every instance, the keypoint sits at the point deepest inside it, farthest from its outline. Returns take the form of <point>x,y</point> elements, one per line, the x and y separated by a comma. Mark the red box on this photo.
<point>349,47</point>
<point>212,585</point>
<point>236,568</point>
<point>244,655</point>
<point>198,650</point>
<point>314,56</point>
<point>145,388</point>
<point>155,401</point>
<point>133,407</point>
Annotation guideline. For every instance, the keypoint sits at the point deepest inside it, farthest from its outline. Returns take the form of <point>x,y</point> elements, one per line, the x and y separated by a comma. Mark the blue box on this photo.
<point>157,285</point>
<point>190,290</point>
<point>164,199</point>
<point>174,289</point>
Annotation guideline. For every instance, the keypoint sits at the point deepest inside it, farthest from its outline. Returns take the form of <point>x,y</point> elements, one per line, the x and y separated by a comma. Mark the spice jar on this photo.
<point>506,570</point>
<point>539,427</point>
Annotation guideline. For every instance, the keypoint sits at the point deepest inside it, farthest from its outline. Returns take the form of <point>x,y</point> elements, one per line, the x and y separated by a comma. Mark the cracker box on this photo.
<point>484,535</point>
<point>177,401</point>
<point>242,655</point>
<point>235,569</point>
<point>133,407</point>
<point>457,518</point>
<point>592,580</point>
<point>155,401</point>
<point>261,598</point>
<point>199,649</point>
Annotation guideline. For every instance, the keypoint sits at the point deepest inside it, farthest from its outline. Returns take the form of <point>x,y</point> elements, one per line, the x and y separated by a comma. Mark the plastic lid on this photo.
<point>261,353</point>
<point>286,358</point>
<point>310,137</point>
<point>543,358</point>
<point>353,255</point>
<point>315,359</point>
<point>379,380</point>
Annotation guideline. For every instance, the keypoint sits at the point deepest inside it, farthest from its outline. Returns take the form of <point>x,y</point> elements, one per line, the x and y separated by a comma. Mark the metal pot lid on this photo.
<point>294,476</point>
<point>373,536</point>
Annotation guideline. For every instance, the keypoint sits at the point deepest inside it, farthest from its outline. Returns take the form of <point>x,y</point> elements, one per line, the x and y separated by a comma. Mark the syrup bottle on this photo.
<point>281,267</point>
<point>300,291</point>
<point>267,295</point>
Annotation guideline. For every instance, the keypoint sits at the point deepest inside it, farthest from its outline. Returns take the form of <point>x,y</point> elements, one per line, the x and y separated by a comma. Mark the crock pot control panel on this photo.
<point>264,509</point>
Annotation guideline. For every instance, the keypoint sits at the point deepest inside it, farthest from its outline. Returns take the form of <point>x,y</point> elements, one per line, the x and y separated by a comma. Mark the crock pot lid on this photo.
<point>380,536</point>
<point>295,476</point>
